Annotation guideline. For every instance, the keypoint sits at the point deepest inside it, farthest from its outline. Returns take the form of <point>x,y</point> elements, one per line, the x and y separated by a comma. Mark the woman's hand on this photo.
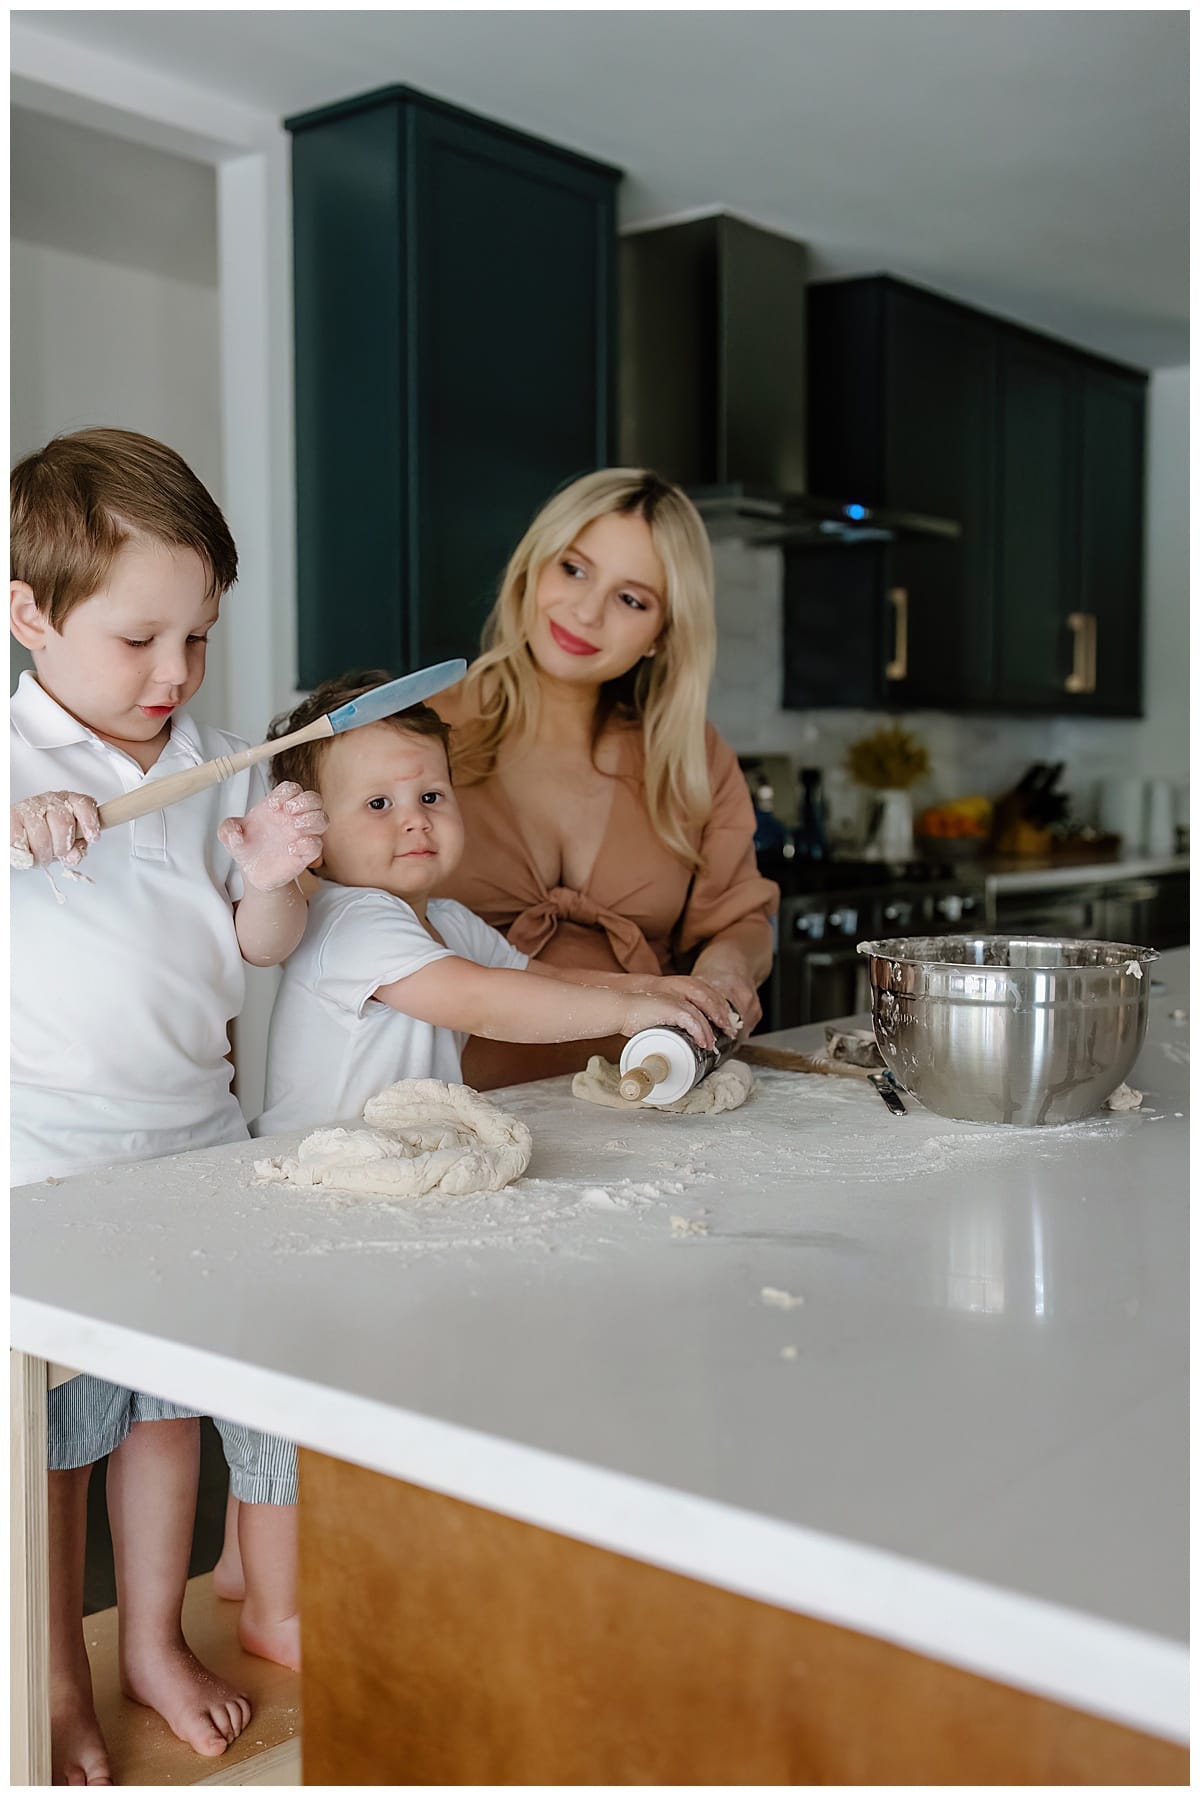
<point>278,838</point>
<point>54,826</point>
<point>725,969</point>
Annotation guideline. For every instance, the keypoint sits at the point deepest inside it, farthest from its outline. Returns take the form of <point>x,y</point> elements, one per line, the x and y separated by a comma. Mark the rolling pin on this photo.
<point>382,701</point>
<point>659,1066</point>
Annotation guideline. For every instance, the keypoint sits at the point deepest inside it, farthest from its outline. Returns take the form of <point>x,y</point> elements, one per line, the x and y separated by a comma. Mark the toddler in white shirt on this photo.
<point>389,981</point>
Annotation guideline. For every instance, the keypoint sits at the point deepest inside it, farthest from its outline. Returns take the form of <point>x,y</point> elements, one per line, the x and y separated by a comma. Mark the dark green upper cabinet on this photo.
<point>1037,550</point>
<point>1112,440</point>
<point>455,363</point>
<point>923,405</point>
<point>902,415</point>
<point>1069,611</point>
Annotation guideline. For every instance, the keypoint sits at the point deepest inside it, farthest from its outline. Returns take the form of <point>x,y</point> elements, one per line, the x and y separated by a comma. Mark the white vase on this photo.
<point>892,830</point>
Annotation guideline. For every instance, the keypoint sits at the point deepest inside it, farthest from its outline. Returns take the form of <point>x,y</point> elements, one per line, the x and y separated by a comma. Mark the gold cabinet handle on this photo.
<point>897,667</point>
<point>1085,628</point>
<point>1076,680</point>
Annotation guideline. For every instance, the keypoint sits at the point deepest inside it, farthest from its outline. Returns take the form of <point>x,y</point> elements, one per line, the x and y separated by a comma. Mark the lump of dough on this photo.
<point>1124,1098</point>
<point>726,1089</point>
<point>425,1136</point>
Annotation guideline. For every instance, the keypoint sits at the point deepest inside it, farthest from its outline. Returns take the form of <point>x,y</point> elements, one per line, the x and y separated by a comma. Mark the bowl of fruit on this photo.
<point>957,830</point>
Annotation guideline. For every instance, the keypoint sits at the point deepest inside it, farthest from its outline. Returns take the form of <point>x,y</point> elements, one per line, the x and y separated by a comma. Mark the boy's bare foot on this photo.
<point>78,1754</point>
<point>278,1640</point>
<point>197,1706</point>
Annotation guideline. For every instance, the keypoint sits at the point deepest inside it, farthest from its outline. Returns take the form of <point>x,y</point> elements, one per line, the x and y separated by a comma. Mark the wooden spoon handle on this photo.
<point>157,795</point>
<point>790,1060</point>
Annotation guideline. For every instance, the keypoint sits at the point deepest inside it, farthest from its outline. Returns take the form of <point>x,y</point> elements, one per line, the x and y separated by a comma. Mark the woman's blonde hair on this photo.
<point>666,693</point>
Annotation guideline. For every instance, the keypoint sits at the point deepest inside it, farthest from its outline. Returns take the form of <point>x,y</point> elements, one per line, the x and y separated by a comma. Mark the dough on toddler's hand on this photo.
<point>425,1136</point>
<point>726,1089</point>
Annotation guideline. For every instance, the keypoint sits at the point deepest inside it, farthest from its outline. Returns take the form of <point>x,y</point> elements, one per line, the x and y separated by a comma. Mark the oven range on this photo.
<point>817,973</point>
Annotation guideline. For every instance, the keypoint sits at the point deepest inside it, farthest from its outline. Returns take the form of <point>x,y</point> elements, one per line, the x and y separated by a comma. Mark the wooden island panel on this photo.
<point>445,1644</point>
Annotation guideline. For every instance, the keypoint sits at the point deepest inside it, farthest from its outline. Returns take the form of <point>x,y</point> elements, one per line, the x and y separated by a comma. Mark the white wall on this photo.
<point>93,342</point>
<point>1162,740</point>
<point>981,753</point>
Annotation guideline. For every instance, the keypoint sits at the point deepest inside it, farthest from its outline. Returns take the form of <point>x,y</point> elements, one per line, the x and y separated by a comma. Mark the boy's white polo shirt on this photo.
<point>333,1044</point>
<point>122,994</point>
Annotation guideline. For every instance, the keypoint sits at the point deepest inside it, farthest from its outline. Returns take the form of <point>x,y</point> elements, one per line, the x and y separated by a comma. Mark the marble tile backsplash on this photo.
<point>967,753</point>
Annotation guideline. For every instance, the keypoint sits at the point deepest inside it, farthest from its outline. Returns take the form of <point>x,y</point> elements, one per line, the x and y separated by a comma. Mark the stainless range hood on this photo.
<point>713,385</point>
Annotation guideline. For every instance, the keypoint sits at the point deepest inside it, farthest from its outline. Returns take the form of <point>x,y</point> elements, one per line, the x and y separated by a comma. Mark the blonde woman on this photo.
<point>607,825</point>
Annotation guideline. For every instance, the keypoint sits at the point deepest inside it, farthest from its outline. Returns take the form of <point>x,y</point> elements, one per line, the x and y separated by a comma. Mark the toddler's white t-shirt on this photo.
<point>332,1044</point>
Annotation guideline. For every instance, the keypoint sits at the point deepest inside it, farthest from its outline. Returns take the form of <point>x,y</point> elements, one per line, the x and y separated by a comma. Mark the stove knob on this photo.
<point>950,908</point>
<point>892,913</point>
<point>844,921</point>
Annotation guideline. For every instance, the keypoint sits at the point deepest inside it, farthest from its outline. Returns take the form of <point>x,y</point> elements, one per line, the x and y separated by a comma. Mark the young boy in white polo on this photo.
<point>123,984</point>
<point>389,981</point>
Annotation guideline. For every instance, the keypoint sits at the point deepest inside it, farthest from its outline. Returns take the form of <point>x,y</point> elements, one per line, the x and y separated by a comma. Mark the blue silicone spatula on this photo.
<point>381,701</point>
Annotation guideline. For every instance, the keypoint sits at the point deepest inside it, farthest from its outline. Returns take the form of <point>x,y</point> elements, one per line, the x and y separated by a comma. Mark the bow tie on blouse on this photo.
<point>535,926</point>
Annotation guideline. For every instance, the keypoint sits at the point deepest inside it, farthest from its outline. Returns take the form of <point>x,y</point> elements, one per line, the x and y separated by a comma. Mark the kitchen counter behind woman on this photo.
<point>608,826</point>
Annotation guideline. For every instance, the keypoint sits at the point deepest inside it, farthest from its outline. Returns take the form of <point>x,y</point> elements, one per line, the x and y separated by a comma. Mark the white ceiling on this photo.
<point>1033,163</point>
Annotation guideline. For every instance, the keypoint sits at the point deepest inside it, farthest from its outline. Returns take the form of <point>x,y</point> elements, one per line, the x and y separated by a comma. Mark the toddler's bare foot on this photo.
<point>197,1706</point>
<point>278,1640</point>
<point>228,1580</point>
<point>78,1754</point>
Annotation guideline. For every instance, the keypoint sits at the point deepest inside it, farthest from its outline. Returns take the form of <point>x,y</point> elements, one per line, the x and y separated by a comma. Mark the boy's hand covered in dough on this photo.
<point>277,839</point>
<point>53,826</point>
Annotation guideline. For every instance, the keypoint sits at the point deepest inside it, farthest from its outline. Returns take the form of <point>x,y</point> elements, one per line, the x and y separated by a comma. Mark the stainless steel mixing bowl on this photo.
<point>1009,1029</point>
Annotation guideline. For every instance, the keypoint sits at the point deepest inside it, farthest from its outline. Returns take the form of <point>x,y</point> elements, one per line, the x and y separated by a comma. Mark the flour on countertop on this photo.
<point>812,1141</point>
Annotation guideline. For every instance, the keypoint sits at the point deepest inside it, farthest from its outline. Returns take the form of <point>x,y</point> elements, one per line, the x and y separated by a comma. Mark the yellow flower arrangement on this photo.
<point>888,760</point>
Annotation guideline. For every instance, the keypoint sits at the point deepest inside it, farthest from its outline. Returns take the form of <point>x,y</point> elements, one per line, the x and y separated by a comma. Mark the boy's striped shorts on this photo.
<point>90,1417</point>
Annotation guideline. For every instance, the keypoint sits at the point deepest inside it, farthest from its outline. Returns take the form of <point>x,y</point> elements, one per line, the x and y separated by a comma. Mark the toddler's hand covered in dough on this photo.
<point>696,992</point>
<point>277,839</point>
<point>53,826</point>
<point>642,1010</point>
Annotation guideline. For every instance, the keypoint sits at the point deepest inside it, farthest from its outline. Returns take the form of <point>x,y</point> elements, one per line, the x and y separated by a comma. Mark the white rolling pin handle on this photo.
<point>157,795</point>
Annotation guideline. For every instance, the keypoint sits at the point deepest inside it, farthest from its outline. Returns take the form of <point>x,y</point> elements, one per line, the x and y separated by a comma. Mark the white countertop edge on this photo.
<point>1072,873</point>
<point>1125,1674</point>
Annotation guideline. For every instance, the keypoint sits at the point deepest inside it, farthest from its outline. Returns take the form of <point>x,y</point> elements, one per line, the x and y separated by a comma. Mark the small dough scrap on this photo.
<point>425,1136</point>
<point>1124,1098</point>
<point>726,1089</point>
<point>780,1300</point>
